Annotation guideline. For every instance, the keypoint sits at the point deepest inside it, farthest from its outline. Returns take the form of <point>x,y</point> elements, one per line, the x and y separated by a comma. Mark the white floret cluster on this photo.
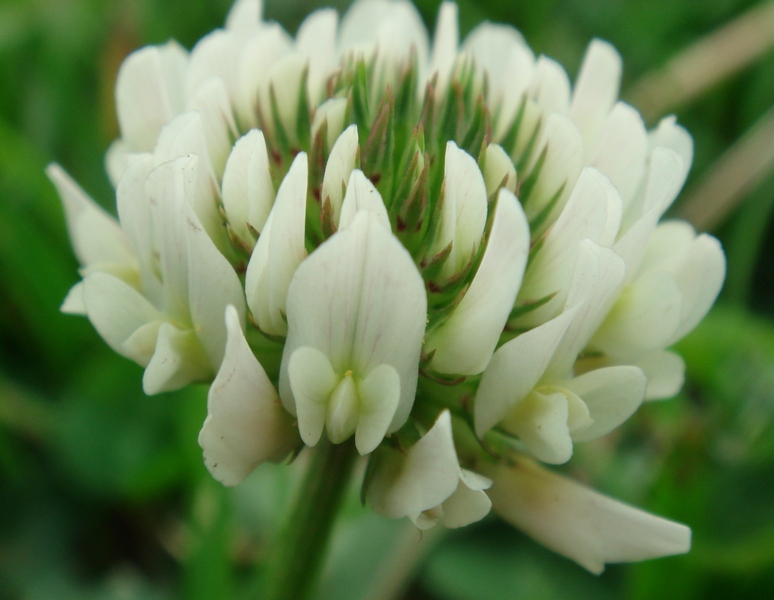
<point>444,253</point>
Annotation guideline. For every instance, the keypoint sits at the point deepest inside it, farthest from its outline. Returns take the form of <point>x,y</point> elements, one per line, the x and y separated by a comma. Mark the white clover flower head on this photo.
<point>443,252</point>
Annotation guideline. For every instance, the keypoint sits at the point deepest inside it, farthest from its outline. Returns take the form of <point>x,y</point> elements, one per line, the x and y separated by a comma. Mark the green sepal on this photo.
<point>527,307</point>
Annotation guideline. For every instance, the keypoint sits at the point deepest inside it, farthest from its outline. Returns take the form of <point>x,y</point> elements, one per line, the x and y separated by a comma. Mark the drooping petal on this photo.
<point>464,344</point>
<point>95,235</point>
<point>246,424</point>
<point>665,372</point>
<point>700,276</point>
<point>248,193</point>
<point>360,301</point>
<point>540,420</point>
<point>312,380</point>
<point>379,396</point>
<point>406,484</point>
<point>117,310</point>
<point>279,251</point>
<point>579,523</point>
<point>178,359</point>
<point>515,369</point>
<point>469,503</point>
<point>338,170</point>
<point>362,195</point>
<point>611,394</point>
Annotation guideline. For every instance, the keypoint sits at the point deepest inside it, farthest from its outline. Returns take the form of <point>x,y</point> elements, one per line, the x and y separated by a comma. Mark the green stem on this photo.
<point>299,550</point>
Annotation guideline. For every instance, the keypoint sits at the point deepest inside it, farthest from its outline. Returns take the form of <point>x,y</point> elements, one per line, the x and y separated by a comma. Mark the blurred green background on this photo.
<point>103,493</point>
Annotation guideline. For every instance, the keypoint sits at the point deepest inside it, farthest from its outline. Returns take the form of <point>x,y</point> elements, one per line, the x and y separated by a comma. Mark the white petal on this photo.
<point>316,37</point>
<point>95,235</point>
<point>332,112</point>
<point>464,344</point>
<point>312,380</point>
<point>141,345</point>
<point>73,303</point>
<point>379,397</point>
<point>246,424</point>
<point>279,251</point>
<point>665,372</point>
<point>134,212</point>
<point>561,167</point>
<point>405,485</point>
<point>245,16</point>
<point>598,277</point>
<point>611,394</point>
<point>214,55</point>
<point>621,150</point>
<point>596,89</point>
<point>498,170</point>
<point>643,319</point>
<point>500,51</point>
<point>211,100</point>
<point>150,91</point>
<point>248,192</point>
<point>463,213</point>
<point>668,134</point>
<point>178,360</point>
<point>359,300</point>
<point>394,27</point>
<point>593,212</point>
<point>362,195</point>
<point>169,187</point>
<point>284,81</point>
<point>515,369</point>
<point>261,52</point>
<point>469,503</point>
<point>339,168</point>
<point>445,43</point>
<point>700,276</point>
<point>212,286</point>
<point>578,522</point>
<point>550,86</point>
<point>116,310</point>
<point>185,136</point>
<point>541,422</point>
<point>117,158</point>
<point>664,179</point>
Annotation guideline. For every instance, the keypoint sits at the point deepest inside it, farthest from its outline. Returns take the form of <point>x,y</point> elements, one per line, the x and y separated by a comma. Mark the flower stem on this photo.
<point>298,552</point>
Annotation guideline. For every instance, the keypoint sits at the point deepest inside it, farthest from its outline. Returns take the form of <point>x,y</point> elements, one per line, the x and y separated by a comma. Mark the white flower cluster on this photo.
<point>446,252</point>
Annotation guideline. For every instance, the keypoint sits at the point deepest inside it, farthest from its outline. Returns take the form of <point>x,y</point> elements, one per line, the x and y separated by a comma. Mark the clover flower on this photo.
<point>450,255</point>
